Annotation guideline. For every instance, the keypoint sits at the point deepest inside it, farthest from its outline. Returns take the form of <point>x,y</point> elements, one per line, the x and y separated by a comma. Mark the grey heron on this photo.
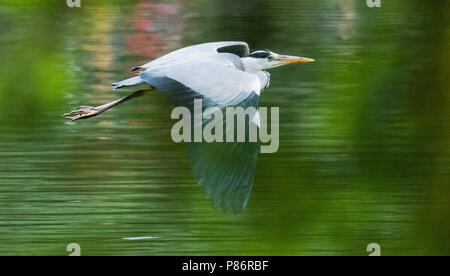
<point>222,74</point>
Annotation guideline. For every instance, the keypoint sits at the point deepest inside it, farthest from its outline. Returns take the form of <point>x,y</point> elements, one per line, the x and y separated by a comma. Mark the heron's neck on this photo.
<point>264,79</point>
<point>251,65</point>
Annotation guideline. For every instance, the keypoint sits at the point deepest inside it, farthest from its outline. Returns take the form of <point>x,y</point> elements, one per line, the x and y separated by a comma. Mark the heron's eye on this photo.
<point>269,58</point>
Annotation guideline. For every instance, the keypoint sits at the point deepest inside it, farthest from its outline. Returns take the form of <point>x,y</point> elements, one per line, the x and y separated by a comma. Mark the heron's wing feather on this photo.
<point>238,48</point>
<point>225,170</point>
<point>214,78</point>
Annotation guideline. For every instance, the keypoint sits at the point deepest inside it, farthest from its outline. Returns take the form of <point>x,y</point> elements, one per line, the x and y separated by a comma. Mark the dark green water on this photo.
<point>364,131</point>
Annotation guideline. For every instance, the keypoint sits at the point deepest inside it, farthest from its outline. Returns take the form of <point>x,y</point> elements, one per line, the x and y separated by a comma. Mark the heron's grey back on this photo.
<point>237,48</point>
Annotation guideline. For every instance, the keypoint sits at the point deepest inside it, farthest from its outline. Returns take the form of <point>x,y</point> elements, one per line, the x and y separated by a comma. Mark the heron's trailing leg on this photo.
<point>86,112</point>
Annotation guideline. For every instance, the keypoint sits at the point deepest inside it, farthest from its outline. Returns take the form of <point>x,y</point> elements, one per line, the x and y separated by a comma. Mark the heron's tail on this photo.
<point>132,84</point>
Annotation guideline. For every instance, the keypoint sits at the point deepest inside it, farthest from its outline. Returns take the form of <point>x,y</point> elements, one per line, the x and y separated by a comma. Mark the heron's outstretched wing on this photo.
<point>237,48</point>
<point>224,169</point>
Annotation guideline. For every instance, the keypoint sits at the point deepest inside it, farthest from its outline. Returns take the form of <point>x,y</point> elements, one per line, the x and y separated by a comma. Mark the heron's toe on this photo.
<point>81,112</point>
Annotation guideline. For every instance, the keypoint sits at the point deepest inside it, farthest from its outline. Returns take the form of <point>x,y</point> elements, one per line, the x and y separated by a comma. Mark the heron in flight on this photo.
<point>222,74</point>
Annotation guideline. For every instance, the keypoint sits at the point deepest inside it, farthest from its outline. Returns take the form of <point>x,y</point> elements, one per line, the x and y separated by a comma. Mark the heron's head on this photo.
<point>265,59</point>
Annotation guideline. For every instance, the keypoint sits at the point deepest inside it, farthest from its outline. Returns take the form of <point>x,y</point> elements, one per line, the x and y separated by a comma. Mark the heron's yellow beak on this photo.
<point>293,59</point>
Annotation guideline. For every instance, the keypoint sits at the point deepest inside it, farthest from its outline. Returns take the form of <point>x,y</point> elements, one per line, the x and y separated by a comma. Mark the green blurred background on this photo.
<point>364,131</point>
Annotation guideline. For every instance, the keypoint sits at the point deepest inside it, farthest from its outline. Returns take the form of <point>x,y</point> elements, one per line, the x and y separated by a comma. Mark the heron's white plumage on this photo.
<point>212,69</point>
<point>132,84</point>
<point>214,77</point>
<point>214,72</point>
<point>196,52</point>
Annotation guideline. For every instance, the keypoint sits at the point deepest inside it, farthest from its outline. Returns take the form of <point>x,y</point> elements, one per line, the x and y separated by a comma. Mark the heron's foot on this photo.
<point>82,112</point>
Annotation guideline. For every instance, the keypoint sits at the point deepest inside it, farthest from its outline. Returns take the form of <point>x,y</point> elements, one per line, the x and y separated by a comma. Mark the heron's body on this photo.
<point>220,62</point>
<point>222,74</point>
